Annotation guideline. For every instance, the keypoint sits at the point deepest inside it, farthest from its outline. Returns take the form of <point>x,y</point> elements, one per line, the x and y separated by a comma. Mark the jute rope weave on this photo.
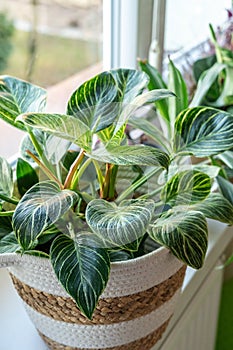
<point>145,343</point>
<point>108,311</point>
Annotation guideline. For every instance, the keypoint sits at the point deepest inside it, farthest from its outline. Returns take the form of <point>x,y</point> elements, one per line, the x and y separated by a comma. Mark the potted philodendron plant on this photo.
<point>97,231</point>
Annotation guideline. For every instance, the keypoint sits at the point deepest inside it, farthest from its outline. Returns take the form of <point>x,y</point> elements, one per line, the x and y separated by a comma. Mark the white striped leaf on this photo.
<point>139,101</point>
<point>17,97</point>
<point>64,126</point>
<point>203,131</point>
<point>39,208</point>
<point>119,225</point>
<point>6,180</point>
<point>131,155</point>
<point>185,233</point>
<point>130,83</point>
<point>95,102</point>
<point>186,187</point>
<point>82,267</point>
<point>216,207</point>
<point>226,188</point>
<point>9,244</point>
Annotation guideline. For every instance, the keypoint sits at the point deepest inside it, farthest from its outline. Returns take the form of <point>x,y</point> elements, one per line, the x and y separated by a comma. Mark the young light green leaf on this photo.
<point>95,103</point>
<point>82,267</point>
<point>17,97</point>
<point>131,155</point>
<point>184,233</point>
<point>39,208</point>
<point>119,225</point>
<point>203,131</point>
<point>186,187</point>
<point>64,126</point>
<point>9,244</point>
<point>205,82</point>
<point>6,180</point>
<point>26,176</point>
<point>177,85</point>
<point>156,82</point>
<point>216,207</point>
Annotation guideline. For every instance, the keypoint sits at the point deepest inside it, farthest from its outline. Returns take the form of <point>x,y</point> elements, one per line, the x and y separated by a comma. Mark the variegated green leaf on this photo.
<point>184,233</point>
<point>39,208</point>
<point>139,101</point>
<point>203,131</point>
<point>119,225</point>
<point>216,207</point>
<point>156,82</point>
<point>95,102</point>
<point>151,130</point>
<point>131,155</point>
<point>130,84</point>
<point>17,97</point>
<point>226,188</point>
<point>6,180</point>
<point>176,84</point>
<point>205,82</point>
<point>64,126</point>
<point>9,244</point>
<point>226,158</point>
<point>82,267</point>
<point>186,187</point>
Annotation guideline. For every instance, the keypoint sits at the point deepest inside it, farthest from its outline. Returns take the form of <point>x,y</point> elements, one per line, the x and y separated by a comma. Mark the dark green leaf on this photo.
<point>5,226</point>
<point>82,267</point>
<point>26,176</point>
<point>39,208</point>
<point>203,64</point>
<point>203,131</point>
<point>184,233</point>
<point>177,85</point>
<point>186,187</point>
<point>17,97</point>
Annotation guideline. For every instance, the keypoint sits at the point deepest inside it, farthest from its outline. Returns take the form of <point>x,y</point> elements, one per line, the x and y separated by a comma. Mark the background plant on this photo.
<point>6,33</point>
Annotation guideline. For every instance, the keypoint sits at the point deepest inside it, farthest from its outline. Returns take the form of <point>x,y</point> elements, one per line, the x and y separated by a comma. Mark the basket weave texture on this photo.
<point>123,320</point>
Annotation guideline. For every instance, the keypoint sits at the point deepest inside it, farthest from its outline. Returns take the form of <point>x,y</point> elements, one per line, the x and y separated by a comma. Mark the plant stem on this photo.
<point>109,182</point>
<point>50,175</point>
<point>137,184</point>
<point>73,169</point>
<point>78,176</point>
<point>7,213</point>
<point>39,150</point>
<point>99,176</point>
<point>151,194</point>
<point>8,199</point>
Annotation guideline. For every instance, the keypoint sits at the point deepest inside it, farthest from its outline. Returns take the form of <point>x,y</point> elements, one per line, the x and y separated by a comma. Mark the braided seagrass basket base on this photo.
<point>145,343</point>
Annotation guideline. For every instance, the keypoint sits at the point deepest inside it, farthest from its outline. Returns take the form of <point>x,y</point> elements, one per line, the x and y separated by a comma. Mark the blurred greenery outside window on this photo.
<point>52,39</point>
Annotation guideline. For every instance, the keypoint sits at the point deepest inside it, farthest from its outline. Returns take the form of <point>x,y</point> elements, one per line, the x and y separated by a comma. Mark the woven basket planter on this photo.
<point>132,313</point>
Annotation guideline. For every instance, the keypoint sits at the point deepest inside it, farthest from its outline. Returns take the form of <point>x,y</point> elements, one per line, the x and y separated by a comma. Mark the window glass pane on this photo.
<point>187,21</point>
<point>53,39</point>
